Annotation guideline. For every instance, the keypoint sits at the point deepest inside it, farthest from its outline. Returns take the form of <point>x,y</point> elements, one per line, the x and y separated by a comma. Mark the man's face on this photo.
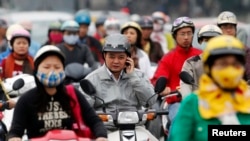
<point>2,31</point>
<point>146,32</point>
<point>184,37</point>
<point>115,61</point>
<point>228,29</point>
<point>83,30</point>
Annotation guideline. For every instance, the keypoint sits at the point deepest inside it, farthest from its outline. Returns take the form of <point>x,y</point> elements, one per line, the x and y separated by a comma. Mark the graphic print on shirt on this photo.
<point>53,117</point>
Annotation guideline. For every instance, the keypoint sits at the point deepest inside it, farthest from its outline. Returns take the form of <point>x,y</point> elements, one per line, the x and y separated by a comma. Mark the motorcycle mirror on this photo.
<point>160,84</point>
<point>71,73</point>
<point>87,87</point>
<point>18,84</point>
<point>186,78</point>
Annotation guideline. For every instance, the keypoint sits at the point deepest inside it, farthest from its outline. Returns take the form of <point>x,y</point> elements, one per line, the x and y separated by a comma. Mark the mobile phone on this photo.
<point>127,64</point>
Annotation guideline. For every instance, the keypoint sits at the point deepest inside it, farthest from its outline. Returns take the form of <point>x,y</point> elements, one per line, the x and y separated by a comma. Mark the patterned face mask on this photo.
<point>51,79</point>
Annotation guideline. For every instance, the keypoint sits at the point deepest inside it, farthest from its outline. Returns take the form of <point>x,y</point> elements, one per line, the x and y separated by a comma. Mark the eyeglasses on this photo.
<point>182,20</point>
<point>189,34</point>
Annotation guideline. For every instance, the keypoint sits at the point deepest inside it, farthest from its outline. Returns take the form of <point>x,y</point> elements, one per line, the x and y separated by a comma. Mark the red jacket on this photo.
<point>171,64</point>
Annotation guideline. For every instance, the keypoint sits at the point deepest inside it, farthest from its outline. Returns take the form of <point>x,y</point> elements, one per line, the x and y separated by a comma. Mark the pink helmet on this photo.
<point>19,33</point>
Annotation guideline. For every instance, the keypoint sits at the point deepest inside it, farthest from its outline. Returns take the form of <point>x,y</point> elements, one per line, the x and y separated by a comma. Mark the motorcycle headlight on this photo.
<point>128,118</point>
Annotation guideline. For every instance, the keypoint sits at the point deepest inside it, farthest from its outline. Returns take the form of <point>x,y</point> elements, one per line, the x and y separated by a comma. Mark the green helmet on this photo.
<point>55,25</point>
<point>70,25</point>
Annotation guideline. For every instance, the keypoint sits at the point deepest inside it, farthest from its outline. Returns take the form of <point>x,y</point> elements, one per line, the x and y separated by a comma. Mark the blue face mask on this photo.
<point>71,39</point>
<point>203,45</point>
<point>52,79</point>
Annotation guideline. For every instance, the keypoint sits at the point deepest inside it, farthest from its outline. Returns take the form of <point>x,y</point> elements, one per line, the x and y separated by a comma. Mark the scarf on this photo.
<point>216,103</point>
<point>28,64</point>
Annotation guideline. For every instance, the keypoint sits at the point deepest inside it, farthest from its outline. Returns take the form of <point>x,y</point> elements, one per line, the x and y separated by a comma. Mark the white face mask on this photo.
<point>71,39</point>
<point>157,27</point>
<point>203,45</point>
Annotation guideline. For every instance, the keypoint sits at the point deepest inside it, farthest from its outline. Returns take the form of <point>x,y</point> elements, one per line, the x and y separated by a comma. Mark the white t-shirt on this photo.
<point>144,63</point>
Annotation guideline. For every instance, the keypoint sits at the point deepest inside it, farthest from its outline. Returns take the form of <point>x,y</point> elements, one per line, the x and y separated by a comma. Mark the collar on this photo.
<point>107,75</point>
<point>183,50</point>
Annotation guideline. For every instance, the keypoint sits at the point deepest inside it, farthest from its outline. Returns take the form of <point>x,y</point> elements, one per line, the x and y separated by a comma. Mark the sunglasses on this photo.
<point>181,20</point>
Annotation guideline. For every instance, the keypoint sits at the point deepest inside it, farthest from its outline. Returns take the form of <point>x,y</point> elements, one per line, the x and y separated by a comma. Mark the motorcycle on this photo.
<point>74,73</point>
<point>9,84</point>
<point>19,83</point>
<point>187,78</point>
<point>126,120</point>
<point>171,98</point>
<point>60,135</point>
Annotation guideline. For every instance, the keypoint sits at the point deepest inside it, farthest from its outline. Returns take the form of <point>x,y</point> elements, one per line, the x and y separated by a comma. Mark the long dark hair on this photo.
<point>43,98</point>
<point>139,37</point>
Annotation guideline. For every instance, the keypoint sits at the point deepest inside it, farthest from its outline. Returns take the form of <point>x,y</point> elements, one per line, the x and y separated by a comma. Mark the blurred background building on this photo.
<point>174,8</point>
<point>205,11</point>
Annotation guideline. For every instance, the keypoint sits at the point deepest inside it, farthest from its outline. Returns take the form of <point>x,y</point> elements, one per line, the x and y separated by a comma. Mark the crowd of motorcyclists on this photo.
<point>120,57</point>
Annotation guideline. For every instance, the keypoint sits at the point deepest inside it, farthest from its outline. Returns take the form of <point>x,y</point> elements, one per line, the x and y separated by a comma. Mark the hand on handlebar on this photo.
<point>15,139</point>
<point>101,139</point>
<point>166,91</point>
<point>12,103</point>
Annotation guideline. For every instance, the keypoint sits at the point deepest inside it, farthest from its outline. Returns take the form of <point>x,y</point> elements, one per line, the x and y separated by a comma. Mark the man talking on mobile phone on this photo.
<point>119,83</point>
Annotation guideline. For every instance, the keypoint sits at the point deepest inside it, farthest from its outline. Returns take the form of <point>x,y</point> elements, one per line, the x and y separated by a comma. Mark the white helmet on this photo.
<point>158,15</point>
<point>226,17</point>
<point>12,28</point>
<point>112,25</point>
<point>209,30</point>
<point>48,49</point>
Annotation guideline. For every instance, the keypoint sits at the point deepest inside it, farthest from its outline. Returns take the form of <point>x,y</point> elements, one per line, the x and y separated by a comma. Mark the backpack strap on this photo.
<point>80,127</point>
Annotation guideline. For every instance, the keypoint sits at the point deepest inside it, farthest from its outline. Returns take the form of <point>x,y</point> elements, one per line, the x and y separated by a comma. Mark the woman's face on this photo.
<point>226,61</point>
<point>131,35</point>
<point>21,46</point>
<point>51,63</point>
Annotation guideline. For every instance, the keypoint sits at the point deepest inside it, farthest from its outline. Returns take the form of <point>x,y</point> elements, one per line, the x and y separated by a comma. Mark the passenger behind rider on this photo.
<point>171,63</point>
<point>10,29</point>
<point>222,97</point>
<point>133,32</point>
<point>75,52</point>
<point>3,40</point>
<point>34,45</point>
<point>18,61</point>
<point>100,33</point>
<point>193,65</point>
<point>119,84</point>
<point>55,35</point>
<point>152,48</point>
<point>33,109</point>
<point>83,18</point>
<point>227,21</point>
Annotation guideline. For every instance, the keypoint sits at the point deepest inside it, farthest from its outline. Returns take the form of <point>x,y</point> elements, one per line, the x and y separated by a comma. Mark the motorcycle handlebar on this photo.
<point>162,112</point>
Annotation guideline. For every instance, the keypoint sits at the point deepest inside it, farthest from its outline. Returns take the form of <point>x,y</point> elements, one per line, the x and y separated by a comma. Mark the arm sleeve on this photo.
<point>19,119</point>
<point>142,87</point>
<point>91,118</point>
<point>184,118</point>
<point>186,89</point>
<point>161,70</point>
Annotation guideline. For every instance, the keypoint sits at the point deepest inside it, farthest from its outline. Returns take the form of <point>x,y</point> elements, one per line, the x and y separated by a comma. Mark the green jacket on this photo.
<point>189,125</point>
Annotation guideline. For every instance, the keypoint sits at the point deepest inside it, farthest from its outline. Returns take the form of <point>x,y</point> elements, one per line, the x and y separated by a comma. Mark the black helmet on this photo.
<point>100,20</point>
<point>146,22</point>
<point>116,43</point>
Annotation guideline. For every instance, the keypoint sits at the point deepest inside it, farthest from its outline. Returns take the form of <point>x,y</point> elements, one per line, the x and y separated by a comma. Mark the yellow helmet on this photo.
<point>131,24</point>
<point>222,45</point>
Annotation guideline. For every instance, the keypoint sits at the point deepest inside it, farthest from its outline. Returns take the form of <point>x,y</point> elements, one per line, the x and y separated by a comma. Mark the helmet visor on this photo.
<point>180,21</point>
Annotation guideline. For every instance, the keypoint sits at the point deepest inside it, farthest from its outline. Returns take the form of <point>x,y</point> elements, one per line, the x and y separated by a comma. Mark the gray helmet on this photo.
<point>116,43</point>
